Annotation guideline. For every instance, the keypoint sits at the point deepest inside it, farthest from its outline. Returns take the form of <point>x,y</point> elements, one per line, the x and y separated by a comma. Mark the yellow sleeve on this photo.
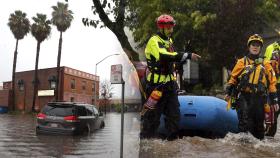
<point>271,77</point>
<point>237,70</point>
<point>268,52</point>
<point>152,49</point>
<point>156,48</point>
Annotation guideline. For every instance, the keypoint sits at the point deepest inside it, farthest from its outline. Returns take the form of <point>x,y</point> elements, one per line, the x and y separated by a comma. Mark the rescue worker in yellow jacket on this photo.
<point>272,54</point>
<point>161,55</point>
<point>253,78</point>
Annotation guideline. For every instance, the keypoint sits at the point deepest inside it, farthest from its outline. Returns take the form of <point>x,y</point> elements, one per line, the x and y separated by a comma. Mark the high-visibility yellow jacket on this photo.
<point>160,55</point>
<point>270,49</point>
<point>268,55</point>
<point>240,67</point>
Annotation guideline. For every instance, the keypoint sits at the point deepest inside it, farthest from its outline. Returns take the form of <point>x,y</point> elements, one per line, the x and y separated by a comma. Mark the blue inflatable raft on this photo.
<point>205,114</point>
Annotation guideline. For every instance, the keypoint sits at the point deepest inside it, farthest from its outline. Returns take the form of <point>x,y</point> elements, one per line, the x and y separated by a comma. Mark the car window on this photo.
<point>54,110</point>
<point>95,111</point>
<point>81,111</point>
<point>89,109</point>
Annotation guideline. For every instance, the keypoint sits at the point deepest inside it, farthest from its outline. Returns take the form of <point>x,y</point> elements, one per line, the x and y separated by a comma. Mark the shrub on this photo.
<point>118,107</point>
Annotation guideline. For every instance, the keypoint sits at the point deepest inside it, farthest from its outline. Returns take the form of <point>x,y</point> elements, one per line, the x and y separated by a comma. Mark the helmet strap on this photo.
<point>253,56</point>
<point>162,32</point>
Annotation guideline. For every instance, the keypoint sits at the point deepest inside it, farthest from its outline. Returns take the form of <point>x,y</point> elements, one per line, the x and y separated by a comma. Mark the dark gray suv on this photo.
<point>68,118</point>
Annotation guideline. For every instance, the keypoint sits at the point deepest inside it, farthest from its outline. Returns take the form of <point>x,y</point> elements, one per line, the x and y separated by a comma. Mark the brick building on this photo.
<point>75,86</point>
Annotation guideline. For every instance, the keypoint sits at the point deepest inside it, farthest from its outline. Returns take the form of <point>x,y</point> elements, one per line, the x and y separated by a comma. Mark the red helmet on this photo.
<point>165,21</point>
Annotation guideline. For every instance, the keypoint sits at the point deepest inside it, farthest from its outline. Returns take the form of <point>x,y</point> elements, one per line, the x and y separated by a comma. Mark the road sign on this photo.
<point>116,74</point>
<point>116,78</point>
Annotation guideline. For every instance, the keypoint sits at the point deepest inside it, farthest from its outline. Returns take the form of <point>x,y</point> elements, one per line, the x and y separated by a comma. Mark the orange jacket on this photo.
<point>238,68</point>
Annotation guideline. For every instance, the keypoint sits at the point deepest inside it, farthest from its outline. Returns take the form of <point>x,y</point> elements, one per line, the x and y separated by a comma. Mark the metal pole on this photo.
<point>95,87</point>
<point>122,120</point>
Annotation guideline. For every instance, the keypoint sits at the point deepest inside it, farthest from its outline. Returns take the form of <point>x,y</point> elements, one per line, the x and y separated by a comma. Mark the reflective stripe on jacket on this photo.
<point>268,53</point>
<point>270,49</point>
<point>161,56</point>
<point>239,67</point>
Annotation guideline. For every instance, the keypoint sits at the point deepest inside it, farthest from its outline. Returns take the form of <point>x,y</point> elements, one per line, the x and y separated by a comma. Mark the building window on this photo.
<point>84,83</point>
<point>73,84</point>
<point>93,87</point>
<point>52,82</point>
<point>20,85</point>
<point>72,99</point>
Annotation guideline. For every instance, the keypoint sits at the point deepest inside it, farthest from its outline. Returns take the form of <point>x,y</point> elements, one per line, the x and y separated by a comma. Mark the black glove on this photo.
<point>229,89</point>
<point>273,98</point>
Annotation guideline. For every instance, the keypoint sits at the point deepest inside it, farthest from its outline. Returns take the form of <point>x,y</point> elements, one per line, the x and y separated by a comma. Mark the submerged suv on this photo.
<point>68,118</point>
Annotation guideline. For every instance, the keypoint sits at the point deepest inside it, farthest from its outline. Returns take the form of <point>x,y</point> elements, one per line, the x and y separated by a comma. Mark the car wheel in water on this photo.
<point>86,130</point>
<point>102,125</point>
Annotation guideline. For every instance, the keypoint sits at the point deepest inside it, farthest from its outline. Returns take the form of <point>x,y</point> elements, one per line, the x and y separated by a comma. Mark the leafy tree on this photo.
<point>236,21</point>
<point>116,25</point>
<point>61,18</point>
<point>217,29</point>
<point>40,29</point>
<point>20,26</point>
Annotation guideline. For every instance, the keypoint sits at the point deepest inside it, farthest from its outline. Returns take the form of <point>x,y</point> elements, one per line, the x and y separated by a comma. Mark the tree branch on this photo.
<point>121,11</point>
<point>102,15</point>
<point>117,27</point>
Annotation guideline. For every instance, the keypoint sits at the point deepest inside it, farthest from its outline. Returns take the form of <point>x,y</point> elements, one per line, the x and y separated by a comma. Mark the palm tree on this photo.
<point>40,29</point>
<point>61,18</point>
<point>20,26</point>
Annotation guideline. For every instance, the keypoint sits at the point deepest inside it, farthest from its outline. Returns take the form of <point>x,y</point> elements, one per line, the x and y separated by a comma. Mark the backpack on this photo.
<point>253,78</point>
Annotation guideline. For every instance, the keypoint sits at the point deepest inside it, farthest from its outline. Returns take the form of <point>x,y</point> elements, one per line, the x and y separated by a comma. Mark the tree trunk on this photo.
<point>35,80</point>
<point>13,77</point>
<point>132,55</point>
<point>117,28</point>
<point>58,68</point>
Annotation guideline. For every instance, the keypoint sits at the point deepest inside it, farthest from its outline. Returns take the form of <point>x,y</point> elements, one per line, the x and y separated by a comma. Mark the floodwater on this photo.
<point>18,139</point>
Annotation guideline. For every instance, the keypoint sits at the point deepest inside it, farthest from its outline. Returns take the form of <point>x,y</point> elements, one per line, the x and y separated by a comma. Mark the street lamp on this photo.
<point>95,87</point>
<point>52,82</point>
<point>20,85</point>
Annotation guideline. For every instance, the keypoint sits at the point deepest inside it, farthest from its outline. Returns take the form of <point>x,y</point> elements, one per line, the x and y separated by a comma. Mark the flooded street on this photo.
<point>232,146</point>
<point>18,139</point>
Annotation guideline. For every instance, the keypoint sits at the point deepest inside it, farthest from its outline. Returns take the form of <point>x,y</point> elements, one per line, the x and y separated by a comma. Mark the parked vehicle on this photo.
<point>69,118</point>
<point>3,109</point>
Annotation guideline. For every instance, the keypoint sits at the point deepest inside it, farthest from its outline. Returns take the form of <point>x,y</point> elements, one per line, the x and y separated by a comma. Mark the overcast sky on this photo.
<point>82,46</point>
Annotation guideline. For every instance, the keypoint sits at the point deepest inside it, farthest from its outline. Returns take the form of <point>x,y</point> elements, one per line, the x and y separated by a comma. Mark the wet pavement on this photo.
<point>18,139</point>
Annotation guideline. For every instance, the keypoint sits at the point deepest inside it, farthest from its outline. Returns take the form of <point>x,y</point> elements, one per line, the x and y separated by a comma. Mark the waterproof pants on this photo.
<point>251,114</point>
<point>277,113</point>
<point>273,128</point>
<point>167,105</point>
